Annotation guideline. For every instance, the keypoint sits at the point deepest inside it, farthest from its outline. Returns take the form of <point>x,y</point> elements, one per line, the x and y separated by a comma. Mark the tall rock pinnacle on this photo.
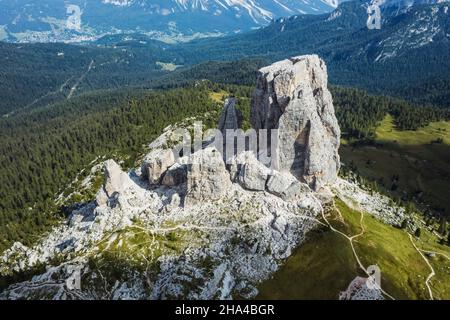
<point>292,96</point>
<point>231,118</point>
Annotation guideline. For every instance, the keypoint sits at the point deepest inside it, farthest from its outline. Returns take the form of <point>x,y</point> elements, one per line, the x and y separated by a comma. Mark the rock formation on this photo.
<point>207,177</point>
<point>249,172</point>
<point>156,163</point>
<point>286,186</point>
<point>231,118</point>
<point>175,175</point>
<point>234,226</point>
<point>292,96</point>
<point>116,182</point>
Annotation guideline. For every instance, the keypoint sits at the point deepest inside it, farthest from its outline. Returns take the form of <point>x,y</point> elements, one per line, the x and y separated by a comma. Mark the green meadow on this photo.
<point>325,265</point>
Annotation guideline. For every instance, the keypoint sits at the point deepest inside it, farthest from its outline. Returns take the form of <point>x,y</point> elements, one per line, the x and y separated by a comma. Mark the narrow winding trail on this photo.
<point>437,253</point>
<point>350,239</point>
<point>432,274</point>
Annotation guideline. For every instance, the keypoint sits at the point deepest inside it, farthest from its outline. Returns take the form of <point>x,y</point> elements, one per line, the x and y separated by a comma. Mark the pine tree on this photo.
<point>417,233</point>
<point>443,226</point>
<point>404,224</point>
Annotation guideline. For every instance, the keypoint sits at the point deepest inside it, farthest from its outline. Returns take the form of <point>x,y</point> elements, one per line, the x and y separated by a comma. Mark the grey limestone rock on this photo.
<point>292,96</point>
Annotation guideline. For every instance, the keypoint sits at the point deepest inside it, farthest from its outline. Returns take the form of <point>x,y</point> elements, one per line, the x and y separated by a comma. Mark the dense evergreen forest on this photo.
<point>42,153</point>
<point>35,75</point>
<point>359,112</point>
<point>43,150</point>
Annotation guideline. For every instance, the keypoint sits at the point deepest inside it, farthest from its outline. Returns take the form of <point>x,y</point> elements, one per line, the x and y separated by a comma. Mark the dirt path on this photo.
<point>74,88</point>
<point>437,253</point>
<point>350,239</point>
<point>432,274</point>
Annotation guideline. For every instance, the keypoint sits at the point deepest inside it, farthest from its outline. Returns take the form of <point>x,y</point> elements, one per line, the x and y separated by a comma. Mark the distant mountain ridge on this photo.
<point>408,57</point>
<point>413,45</point>
<point>45,21</point>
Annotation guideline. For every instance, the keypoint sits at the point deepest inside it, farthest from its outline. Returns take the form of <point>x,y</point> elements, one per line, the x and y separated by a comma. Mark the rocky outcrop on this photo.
<point>156,164</point>
<point>361,289</point>
<point>286,186</point>
<point>226,237</point>
<point>292,96</point>
<point>207,177</point>
<point>249,172</point>
<point>116,182</point>
<point>231,118</point>
<point>175,175</point>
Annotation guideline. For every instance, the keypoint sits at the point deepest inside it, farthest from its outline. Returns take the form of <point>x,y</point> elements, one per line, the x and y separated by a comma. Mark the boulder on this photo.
<point>116,180</point>
<point>101,198</point>
<point>292,97</point>
<point>249,172</point>
<point>156,164</point>
<point>286,186</point>
<point>207,177</point>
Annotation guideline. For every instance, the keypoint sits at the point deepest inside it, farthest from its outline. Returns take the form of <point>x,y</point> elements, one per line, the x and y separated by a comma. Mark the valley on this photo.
<point>360,182</point>
<point>324,266</point>
<point>418,163</point>
<point>168,20</point>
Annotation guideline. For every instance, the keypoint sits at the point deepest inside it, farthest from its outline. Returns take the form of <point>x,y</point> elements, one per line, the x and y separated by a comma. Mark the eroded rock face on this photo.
<point>156,164</point>
<point>249,172</point>
<point>231,118</point>
<point>286,186</point>
<point>175,175</point>
<point>292,96</point>
<point>222,248</point>
<point>116,182</point>
<point>207,177</point>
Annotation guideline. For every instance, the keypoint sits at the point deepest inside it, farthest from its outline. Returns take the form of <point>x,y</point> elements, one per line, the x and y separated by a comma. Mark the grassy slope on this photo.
<point>324,265</point>
<point>422,166</point>
<point>386,132</point>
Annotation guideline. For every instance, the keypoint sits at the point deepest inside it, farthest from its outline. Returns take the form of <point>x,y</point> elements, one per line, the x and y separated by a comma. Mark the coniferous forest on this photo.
<point>44,150</point>
<point>113,96</point>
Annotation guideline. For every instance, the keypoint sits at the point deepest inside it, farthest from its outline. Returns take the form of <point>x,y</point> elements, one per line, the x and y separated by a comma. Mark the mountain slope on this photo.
<point>409,57</point>
<point>34,75</point>
<point>411,48</point>
<point>43,21</point>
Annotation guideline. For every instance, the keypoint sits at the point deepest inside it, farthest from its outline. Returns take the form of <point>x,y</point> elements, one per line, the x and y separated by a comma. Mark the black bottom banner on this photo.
<point>216,309</point>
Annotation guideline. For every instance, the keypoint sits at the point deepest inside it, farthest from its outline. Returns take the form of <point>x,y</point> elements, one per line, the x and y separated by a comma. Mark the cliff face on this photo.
<point>292,96</point>
<point>192,221</point>
<point>231,118</point>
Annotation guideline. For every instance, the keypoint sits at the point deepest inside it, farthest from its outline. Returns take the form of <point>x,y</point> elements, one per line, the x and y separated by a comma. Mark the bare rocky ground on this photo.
<point>194,227</point>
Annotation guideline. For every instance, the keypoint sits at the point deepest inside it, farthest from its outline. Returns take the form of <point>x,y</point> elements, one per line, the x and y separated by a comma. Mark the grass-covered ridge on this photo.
<point>412,166</point>
<point>435,132</point>
<point>324,265</point>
